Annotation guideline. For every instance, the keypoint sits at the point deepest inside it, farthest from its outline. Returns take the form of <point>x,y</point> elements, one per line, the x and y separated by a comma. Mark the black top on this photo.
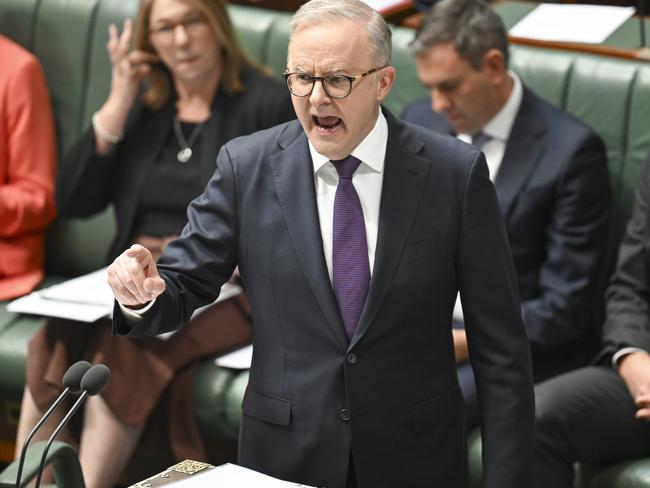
<point>88,183</point>
<point>171,186</point>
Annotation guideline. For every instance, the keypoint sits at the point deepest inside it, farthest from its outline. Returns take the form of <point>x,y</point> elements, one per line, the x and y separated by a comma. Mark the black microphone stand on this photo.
<point>63,423</point>
<point>71,380</point>
<point>33,431</point>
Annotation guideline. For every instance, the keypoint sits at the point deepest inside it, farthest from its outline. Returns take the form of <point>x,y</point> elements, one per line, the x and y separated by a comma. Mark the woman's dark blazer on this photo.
<point>88,183</point>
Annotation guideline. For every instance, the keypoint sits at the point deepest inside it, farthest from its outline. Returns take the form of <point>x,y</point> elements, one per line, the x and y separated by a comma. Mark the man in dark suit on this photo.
<point>599,414</point>
<point>353,232</point>
<point>551,179</point>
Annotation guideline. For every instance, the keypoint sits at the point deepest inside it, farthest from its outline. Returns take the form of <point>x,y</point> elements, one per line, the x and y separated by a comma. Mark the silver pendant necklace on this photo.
<point>185,153</point>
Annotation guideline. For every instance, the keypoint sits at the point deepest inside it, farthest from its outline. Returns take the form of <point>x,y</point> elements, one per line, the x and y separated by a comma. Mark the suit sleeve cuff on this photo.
<point>624,352</point>
<point>133,316</point>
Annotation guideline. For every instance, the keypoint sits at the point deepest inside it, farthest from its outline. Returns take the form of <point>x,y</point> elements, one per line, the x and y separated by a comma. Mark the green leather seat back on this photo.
<point>547,72</point>
<point>77,246</point>
<point>17,20</point>
<point>638,135</point>
<point>253,27</point>
<point>407,86</point>
<point>78,74</point>
<point>594,80</point>
<point>13,351</point>
<point>275,53</point>
<point>62,37</point>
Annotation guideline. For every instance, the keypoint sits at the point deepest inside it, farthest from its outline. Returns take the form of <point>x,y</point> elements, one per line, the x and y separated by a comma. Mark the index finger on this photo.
<point>140,253</point>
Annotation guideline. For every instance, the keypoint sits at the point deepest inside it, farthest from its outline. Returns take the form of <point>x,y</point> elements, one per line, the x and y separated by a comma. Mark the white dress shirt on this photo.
<point>367,180</point>
<point>498,128</point>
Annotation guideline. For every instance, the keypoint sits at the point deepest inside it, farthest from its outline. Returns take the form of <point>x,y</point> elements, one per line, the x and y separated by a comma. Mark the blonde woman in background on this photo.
<point>150,150</point>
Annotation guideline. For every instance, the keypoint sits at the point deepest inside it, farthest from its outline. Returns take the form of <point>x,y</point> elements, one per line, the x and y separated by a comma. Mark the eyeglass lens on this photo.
<point>336,86</point>
<point>192,24</point>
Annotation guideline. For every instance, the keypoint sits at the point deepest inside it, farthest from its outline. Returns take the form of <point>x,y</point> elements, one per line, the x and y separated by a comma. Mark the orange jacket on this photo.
<point>27,167</point>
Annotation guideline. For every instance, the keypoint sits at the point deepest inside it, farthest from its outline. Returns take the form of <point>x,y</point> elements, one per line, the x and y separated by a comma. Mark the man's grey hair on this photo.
<point>318,12</point>
<point>471,25</point>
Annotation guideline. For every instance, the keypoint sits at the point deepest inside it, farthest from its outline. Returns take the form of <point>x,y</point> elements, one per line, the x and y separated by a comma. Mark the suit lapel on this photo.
<point>405,174</point>
<point>522,154</point>
<point>293,177</point>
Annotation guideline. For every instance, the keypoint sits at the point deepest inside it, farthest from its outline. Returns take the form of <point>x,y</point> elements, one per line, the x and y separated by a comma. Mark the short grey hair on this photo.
<point>471,25</point>
<point>318,12</point>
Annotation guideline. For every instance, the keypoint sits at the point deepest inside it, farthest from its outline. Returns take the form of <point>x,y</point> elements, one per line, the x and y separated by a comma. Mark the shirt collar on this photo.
<point>500,125</point>
<point>371,151</point>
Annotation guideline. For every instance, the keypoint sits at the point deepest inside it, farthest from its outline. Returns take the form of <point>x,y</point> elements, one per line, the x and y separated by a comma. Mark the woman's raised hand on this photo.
<point>128,67</point>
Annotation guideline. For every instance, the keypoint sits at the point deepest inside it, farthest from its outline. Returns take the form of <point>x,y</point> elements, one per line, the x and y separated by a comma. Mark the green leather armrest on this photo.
<point>234,398</point>
<point>627,474</point>
<point>67,471</point>
<point>209,386</point>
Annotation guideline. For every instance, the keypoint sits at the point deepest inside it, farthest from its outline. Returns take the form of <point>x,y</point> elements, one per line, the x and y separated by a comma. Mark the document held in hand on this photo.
<point>232,476</point>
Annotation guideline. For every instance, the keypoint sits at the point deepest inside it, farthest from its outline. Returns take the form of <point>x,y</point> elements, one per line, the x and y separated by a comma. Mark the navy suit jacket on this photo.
<point>390,394</point>
<point>554,192</point>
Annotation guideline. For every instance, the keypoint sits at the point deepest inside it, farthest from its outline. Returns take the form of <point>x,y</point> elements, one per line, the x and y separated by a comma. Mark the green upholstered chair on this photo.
<point>62,458</point>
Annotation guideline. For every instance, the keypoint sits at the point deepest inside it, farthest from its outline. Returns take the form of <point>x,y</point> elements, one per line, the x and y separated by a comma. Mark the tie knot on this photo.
<point>346,167</point>
<point>479,139</point>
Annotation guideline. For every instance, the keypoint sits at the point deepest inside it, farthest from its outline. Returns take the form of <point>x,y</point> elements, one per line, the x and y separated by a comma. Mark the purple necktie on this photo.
<point>349,247</point>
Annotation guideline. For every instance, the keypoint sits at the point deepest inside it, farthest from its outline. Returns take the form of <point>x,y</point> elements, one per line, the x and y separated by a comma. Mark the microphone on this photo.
<point>92,383</point>
<point>72,382</point>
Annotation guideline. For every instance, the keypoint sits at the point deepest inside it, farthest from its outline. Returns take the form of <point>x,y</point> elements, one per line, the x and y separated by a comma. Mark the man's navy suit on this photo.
<point>554,193</point>
<point>390,394</point>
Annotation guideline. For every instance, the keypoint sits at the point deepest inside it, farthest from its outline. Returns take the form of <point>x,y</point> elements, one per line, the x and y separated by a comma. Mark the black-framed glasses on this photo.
<point>336,86</point>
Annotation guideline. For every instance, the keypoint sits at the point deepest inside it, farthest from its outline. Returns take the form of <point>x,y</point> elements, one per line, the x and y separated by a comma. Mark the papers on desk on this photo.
<point>238,359</point>
<point>85,299</point>
<point>383,6</point>
<point>571,23</point>
<point>232,476</point>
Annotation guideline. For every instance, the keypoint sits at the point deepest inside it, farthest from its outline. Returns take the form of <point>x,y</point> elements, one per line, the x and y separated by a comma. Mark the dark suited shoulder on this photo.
<point>264,143</point>
<point>421,113</point>
<point>444,151</point>
<point>568,132</point>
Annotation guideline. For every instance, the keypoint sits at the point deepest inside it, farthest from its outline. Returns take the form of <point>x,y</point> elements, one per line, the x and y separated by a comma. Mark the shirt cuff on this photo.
<point>134,315</point>
<point>623,352</point>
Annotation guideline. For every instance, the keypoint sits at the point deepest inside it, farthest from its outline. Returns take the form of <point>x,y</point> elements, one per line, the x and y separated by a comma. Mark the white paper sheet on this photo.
<point>35,304</point>
<point>384,5</point>
<point>238,359</point>
<point>232,476</point>
<point>85,299</point>
<point>571,23</point>
<point>92,288</point>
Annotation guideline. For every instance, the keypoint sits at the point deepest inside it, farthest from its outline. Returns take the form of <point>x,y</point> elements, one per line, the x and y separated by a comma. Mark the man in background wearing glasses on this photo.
<point>353,233</point>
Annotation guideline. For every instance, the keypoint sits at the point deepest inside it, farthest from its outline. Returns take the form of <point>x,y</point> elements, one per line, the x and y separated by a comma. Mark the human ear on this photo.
<point>385,80</point>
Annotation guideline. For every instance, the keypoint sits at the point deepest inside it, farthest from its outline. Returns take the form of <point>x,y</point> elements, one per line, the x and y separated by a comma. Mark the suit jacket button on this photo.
<point>351,358</point>
<point>344,414</point>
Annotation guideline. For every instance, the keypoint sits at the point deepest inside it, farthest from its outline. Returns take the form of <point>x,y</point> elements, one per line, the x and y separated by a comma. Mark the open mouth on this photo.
<point>326,123</point>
